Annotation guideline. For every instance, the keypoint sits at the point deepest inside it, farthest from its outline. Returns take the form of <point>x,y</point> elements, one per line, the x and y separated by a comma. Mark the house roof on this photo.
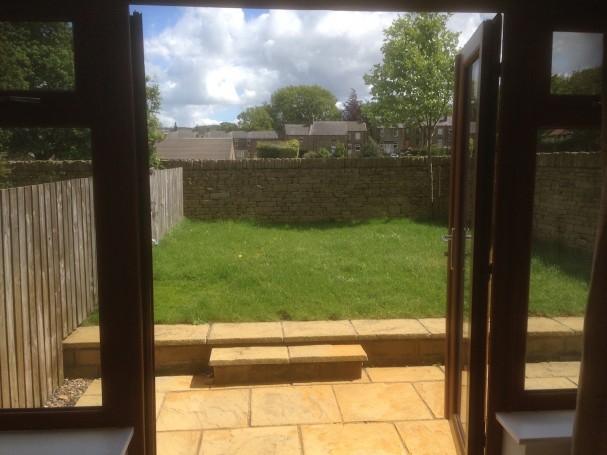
<point>218,135</point>
<point>196,149</point>
<point>296,130</point>
<point>239,134</point>
<point>448,121</point>
<point>329,128</point>
<point>262,135</point>
<point>356,126</point>
<point>181,133</point>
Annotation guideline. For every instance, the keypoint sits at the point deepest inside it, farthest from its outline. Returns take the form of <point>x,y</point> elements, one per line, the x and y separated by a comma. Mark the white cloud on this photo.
<point>213,63</point>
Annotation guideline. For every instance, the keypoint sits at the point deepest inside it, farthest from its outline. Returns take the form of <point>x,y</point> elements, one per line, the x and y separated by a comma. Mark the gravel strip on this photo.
<point>67,395</point>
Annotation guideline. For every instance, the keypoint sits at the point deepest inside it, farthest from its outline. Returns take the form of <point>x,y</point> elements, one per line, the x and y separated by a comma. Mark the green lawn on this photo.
<point>243,271</point>
<point>395,268</point>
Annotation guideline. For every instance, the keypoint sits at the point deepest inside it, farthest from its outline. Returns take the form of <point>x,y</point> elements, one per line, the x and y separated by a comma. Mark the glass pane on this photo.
<point>473,77</point>
<point>48,279</point>
<point>576,63</point>
<point>36,56</point>
<point>566,206</point>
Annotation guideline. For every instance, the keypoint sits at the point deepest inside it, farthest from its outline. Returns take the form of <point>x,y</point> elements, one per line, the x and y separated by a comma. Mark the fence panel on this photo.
<point>48,279</point>
<point>47,284</point>
<point>166,199</point>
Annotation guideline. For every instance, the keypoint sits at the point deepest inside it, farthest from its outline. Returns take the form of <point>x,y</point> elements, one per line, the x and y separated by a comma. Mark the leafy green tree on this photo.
<point>302,104</point>
<point>40,56</point>
<point>255,118</point>
<point>36,56</point>
<point>352,108</point>
<point>583,82</point>
<point>228,127</point>
<point>155,132</point>
<point>322,152</point>
<point>414,83</point>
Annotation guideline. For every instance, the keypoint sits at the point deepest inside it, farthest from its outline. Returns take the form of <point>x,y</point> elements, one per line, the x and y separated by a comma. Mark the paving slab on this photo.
<point>352,439</point>
<point>204,409</point>
<point>249,355</point>
<point>293,405</point>
<point>406,374</point>
<point>575,324</point>
<point>546,326</point>
<point>83,337</point>
<point>427,437</point>
<point>168,335</point>
<point>245,333</point>
<point>389,329</point>
<point>433,394</point>
<point>380,402</point>
<point>436,326</point>
<point>310,331</point>
<point>327,353</point>
<point>548,383</point>
<point>177,383</point>
<point>251,441</point>
<point>552,369</point>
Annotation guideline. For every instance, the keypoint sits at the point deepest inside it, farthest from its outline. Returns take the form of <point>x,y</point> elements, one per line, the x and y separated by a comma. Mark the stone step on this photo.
<point>287,364</point>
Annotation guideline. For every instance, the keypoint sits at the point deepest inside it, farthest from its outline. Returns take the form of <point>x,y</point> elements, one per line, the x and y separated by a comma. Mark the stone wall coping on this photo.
<point>248,333</point>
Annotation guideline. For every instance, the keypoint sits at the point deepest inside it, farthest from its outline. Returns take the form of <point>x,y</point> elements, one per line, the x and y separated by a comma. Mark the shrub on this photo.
<point>278,149</point>
<point>340,150</point>
<point>370,149</point>
<point>322,152</point>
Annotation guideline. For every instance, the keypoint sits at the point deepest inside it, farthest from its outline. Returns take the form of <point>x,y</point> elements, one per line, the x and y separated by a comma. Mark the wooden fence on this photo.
<point>166,196</point>
<point>48,276</point>
<point>48,284</point>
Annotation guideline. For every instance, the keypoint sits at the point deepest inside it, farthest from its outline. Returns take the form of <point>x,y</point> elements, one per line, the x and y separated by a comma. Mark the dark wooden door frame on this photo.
<point>484,48</point>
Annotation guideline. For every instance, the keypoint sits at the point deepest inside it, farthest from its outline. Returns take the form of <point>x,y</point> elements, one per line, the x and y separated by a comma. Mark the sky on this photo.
<point>211,63</point>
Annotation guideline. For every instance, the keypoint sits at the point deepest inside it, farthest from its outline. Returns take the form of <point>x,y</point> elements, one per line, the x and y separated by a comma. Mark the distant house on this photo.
<point>328,134</point>
<point>192,148</point>
<point>399,138</point>
<point>245,142</point>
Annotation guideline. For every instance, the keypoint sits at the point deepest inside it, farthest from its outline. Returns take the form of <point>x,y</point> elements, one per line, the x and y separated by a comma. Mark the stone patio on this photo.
<point>387,411</point>
<point>397,410</point>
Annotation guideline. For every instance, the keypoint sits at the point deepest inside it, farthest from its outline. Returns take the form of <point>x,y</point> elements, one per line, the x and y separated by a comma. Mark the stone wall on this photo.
<point>294,190</point>
<point>567,198</point>
<point>25,173</point>
<point>567,189</point>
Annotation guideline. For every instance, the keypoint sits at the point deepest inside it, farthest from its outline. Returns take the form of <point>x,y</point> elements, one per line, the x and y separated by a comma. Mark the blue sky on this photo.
<point>213,63</point>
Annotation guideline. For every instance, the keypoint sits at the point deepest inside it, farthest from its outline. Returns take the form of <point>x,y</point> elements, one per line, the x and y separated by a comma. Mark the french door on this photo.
<point>470,235</point>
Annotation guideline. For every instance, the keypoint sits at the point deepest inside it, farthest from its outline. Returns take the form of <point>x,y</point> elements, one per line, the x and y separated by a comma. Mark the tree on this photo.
<point>414,84</point>
<point>36,56</point>
<point>155,132</point>
<point>352,110</point>
<point>370,149</point>
<point>228,127</point>
<point>302,104</point>
<point>583,82</point>
<point>40,56</point>
<point>255,118</point>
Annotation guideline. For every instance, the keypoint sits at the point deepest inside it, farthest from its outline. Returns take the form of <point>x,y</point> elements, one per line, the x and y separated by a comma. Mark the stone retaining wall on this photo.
<point>292,190</point>
<point>567,190</point>
<point>567,198</point>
